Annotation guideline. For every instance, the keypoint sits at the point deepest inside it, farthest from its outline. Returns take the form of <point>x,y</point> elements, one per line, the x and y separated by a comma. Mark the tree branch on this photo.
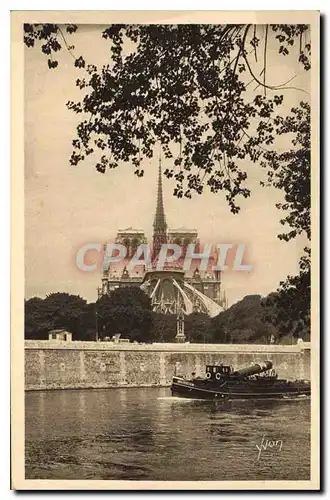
<point>276,87</point>
<point>265,59</point>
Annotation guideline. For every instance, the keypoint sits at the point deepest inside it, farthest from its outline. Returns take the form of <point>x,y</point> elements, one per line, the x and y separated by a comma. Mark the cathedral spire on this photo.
<point>160,226</point>
<point>160,221</point>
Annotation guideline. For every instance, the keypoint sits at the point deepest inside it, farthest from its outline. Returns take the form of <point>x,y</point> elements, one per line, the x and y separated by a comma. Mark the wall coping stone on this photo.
<point>165,347</point>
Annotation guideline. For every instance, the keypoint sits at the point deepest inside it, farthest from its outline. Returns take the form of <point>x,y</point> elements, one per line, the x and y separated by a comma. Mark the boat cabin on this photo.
<point>217,371</point>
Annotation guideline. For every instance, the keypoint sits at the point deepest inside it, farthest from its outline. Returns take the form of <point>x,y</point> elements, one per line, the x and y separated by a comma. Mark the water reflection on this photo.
<point>147,434</point>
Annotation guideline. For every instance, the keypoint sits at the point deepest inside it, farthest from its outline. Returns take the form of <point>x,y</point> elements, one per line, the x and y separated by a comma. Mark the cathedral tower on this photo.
<point>160,226</point>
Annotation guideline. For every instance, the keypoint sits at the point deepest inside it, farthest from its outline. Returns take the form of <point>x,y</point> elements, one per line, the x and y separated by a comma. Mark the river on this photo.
<point>146,434</point>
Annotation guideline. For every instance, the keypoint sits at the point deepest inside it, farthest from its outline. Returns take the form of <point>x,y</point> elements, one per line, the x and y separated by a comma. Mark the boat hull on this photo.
<point>187,389</point>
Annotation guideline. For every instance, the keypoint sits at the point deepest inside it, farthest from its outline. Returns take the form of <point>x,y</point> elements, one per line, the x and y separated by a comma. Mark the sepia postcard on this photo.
<point>165,250</point>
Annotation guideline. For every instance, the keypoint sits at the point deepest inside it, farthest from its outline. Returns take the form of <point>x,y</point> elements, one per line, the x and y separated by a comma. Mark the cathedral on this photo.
<point>172,290</point>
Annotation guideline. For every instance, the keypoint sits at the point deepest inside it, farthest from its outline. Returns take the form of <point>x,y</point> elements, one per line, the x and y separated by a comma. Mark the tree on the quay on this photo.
<point>126,311</point>
<point>244,322</point>
<point>288,309</point>
<point>90,326</point>
<point>197,328</point>
<point>57,310</point>
<point>36,322</point>
<point>163,327</point>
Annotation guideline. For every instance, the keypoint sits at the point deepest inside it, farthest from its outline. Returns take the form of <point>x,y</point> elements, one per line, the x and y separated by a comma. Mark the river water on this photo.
<point>148,435</point>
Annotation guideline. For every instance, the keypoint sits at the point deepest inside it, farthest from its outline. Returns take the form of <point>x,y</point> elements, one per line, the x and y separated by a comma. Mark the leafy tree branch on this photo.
<point>180,90</point>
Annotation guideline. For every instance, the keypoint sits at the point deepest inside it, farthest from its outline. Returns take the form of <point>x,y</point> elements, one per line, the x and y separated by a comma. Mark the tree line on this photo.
<point>128,311</point>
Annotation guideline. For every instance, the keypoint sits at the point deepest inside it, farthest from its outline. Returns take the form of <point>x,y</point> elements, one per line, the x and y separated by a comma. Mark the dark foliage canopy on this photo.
<point>57,310</point>
<point>181,92</point>
<point>163,327</point>
<point>198,328</point>
<point>126,311</point>
<point>243,322</point>
<point>290,172</point>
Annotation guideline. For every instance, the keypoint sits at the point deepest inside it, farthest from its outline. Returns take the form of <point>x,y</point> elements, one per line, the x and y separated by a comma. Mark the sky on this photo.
<point>67,207</point>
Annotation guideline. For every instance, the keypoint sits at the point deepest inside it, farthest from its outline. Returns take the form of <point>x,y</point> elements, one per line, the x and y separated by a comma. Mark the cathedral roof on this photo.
<point>116,270</point>
<point>182,230</point>
<point>130,230</point>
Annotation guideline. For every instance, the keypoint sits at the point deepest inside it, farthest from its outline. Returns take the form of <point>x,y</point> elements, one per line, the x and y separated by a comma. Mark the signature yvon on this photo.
<point>275,444</point>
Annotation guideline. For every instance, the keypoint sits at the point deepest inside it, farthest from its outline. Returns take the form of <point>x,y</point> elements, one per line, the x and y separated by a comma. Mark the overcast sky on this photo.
<point>67,206</point>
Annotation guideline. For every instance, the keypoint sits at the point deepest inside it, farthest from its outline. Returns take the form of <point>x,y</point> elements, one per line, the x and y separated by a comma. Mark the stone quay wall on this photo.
<point>79,365</point>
